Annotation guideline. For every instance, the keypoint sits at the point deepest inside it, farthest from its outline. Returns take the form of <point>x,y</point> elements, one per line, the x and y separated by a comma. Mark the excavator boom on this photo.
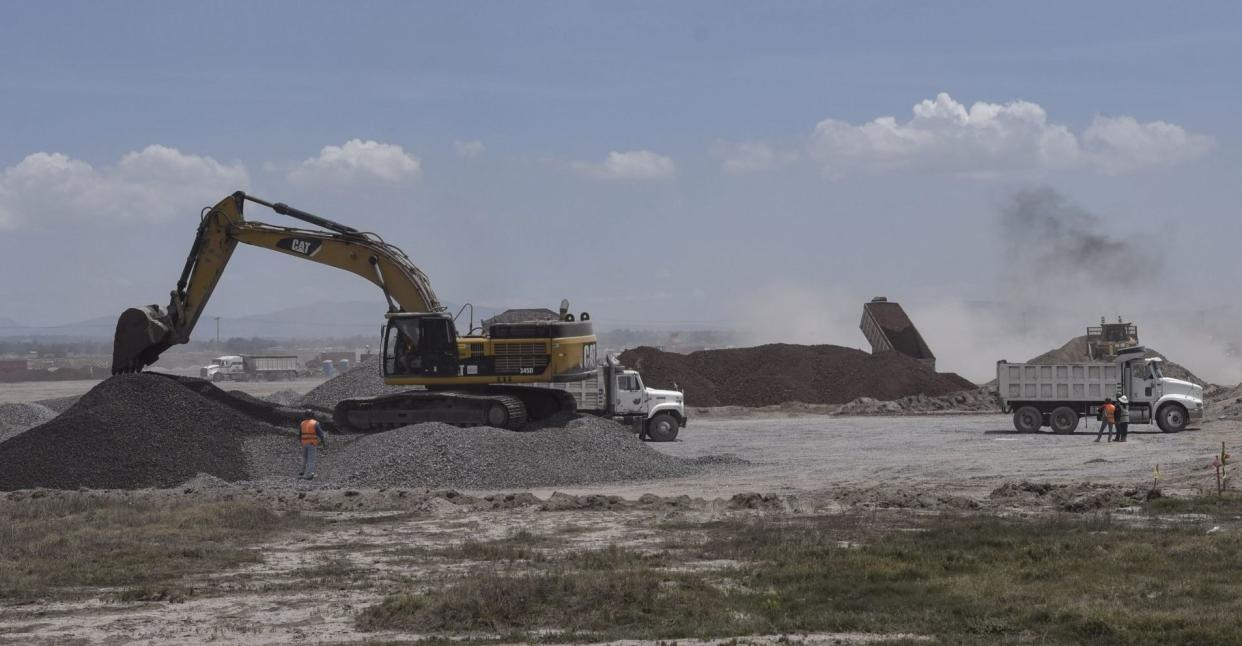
<point>143,333</point>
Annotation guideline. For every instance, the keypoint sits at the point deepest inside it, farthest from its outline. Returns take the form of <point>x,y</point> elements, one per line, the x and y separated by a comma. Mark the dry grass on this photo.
<point>962,580</point>
<point>59,546</point>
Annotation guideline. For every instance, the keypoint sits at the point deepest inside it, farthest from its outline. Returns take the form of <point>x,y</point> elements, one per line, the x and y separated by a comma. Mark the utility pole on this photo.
<point>217,330</point>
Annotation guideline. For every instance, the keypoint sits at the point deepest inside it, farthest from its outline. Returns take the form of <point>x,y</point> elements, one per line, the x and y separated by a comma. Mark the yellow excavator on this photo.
<point>483,377</point>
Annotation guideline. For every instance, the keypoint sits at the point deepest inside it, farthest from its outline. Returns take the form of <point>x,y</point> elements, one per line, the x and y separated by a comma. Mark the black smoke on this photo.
<point>1050,237</point>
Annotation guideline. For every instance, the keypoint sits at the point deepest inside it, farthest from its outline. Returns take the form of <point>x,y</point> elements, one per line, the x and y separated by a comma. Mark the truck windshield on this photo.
<point>1155,370</point>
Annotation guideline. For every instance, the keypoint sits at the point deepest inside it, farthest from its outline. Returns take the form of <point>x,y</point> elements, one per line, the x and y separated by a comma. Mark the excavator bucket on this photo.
<point>142,333</point>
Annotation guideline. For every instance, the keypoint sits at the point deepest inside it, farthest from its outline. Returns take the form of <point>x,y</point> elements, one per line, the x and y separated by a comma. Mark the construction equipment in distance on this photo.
<point>472,379</point>
<point>1105,341</point>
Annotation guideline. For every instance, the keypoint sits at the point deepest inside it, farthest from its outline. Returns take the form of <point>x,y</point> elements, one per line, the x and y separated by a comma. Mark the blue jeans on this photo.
<point>309,454</point>
<point>1103,426</point>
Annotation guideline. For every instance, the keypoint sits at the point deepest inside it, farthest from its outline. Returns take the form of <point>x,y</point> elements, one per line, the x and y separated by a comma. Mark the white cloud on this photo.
<point>358,160</point>
<point>635,164</point>
<point>988,138</point>
<point>154,183</point>
<point>740,158</point>
<point>469,149</point>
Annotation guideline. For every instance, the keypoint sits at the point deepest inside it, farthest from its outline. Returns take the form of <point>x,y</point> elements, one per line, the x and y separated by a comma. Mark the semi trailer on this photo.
<point>1059,395</point>
<point>251,368</point>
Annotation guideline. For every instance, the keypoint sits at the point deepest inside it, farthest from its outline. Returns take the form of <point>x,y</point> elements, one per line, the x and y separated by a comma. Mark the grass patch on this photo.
<point>60,545</point>
<point>1227,506</point>
<point>962,580</point>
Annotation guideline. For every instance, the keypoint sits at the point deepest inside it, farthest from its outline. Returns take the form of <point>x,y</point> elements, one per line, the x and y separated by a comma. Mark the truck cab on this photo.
<point>224,368</point>
<point>1171,403</point>
<point>660,414</point>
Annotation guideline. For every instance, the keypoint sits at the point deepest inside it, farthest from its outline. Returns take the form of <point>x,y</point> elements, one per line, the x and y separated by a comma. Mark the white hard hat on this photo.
<point>1123,399</point>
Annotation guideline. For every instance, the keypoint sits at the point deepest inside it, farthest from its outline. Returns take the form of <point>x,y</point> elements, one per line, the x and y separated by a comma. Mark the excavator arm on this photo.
<point>142,334</point>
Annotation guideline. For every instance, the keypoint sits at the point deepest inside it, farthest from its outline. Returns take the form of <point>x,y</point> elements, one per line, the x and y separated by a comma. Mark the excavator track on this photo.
<point>509,407</point>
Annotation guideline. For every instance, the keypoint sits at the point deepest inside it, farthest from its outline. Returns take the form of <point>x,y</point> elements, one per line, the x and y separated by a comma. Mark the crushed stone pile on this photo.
<point>17,417</point>
<point>979,400</point>
<point>285,398</point>
<point>586,450</point>
<point>1075,351</point>
<point>365,380</point>
<point>772,374</point>
<point>60,404</point>
<point>130,431</point>
<point>150,430</point>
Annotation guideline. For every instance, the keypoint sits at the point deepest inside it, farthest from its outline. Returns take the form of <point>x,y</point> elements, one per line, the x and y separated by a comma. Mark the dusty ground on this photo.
<point>965,455</point>
<point>30,391</point>
<point>311,585</point>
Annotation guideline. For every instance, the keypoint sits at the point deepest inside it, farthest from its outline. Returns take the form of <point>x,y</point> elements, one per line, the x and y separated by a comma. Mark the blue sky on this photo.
<point>659,163</point>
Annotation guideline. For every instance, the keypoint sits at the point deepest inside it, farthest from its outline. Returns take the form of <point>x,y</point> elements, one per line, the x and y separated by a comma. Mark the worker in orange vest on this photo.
<point>1108,420</point>
<point>312,437</point>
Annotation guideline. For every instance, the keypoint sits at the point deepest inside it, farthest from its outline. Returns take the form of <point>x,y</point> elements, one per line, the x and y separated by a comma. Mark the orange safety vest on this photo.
<point>309,437</point>
<point>1110,413</point>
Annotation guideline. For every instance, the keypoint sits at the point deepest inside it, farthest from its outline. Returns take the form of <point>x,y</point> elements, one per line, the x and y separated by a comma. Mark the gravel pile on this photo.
<point>363,381</point>
<point>773,374</point>
<point>586,450</point>
<point>285,398</point>
<point>150,430</point>
<point>25,415</point>
<point>60,404</point>
<point>143,430</point>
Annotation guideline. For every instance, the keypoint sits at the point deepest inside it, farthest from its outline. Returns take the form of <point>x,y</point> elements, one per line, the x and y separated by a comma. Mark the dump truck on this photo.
<point>618,393</point>
<point>1059,395</point>
<point>251,368</point>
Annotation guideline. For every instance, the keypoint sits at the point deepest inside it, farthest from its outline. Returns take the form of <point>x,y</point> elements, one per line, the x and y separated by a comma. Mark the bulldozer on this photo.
<point>483,377</point>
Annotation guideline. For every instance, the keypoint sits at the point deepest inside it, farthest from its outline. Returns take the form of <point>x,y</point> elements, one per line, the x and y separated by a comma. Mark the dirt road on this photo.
<point>968,455</point>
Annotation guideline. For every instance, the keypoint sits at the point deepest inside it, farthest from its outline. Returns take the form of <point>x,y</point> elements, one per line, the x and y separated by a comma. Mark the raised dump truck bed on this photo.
<point>889,329</point>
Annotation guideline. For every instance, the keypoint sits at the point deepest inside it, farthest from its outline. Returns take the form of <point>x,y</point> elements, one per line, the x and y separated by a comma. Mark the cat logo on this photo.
<point>301,246</point>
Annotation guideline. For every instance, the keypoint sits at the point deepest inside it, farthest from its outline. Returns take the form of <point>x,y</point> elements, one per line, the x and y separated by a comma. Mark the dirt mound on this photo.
<point>777,373</point>
<point>142,430</point>
<point>362,381</point>
<point>1077,497</point>
<point>1075,351</point>
<point>978,400</point>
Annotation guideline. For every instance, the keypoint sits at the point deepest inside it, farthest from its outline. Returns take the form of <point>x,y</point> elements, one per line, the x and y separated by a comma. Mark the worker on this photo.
<point>312,437</point>
<point>1108,419</point>
<point>1123,418</point>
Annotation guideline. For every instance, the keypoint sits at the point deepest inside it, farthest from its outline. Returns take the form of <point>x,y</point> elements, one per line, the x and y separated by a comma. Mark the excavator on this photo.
<point>485,377</point>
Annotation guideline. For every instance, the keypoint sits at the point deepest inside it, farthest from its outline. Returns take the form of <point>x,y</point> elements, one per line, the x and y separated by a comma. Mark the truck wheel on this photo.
<point>1063,420</point>
<point>1172,418</point>
<point>216,377</point>
<point>662,428</point>
<point>1028,419</point>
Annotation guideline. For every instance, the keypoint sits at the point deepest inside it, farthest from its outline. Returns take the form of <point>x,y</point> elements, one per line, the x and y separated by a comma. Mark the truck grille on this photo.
<point>515,358</point>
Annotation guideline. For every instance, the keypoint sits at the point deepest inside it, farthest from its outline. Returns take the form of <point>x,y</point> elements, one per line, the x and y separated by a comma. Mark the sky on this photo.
<point>1009,173</point>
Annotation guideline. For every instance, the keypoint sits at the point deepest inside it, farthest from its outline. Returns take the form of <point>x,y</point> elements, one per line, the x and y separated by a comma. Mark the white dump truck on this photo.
<point>251,368</point>
<point>1057,395</point>
<point>618,393</point>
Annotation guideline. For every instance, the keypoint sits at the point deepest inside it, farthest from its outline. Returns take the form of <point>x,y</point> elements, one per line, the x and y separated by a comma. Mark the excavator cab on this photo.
<point>421,345</point>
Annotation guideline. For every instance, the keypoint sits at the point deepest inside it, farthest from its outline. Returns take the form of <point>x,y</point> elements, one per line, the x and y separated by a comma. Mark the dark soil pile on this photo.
<point>773,374</point>
<point>143,430</point>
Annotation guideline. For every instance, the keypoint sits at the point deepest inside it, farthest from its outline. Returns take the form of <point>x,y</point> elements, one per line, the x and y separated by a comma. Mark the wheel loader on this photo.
<point>481,377</point>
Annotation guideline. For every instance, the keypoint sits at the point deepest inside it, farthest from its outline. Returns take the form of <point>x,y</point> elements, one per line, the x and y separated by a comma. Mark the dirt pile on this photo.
<point>365,380</point>
<point>777,373</point>
<point>978,400</point>
<point>1075,351</point>
<point>1077,497</point>
<point>143,430</point>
